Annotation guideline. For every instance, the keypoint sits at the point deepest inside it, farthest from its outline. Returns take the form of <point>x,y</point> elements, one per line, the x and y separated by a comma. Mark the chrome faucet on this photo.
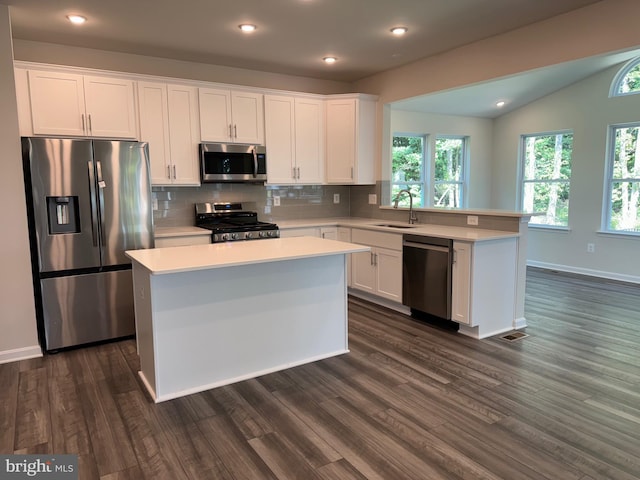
<point>412,214</point>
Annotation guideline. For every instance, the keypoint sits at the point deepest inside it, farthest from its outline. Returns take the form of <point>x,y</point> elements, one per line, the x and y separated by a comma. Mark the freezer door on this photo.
<point>82,309</point>
<point>124,198</point>
<point>61,213</point>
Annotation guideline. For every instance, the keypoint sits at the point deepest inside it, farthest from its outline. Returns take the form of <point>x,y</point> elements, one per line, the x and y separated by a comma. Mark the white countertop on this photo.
<point>469,234</point>
<point>228,254</point>
<point>443,231</point>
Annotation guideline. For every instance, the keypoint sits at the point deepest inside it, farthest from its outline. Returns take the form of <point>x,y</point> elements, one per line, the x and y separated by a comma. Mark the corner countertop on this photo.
<point>161,261</point>
<point>468,234</point>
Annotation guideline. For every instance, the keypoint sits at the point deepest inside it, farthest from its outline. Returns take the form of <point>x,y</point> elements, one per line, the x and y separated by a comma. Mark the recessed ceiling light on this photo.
<point>76,19</point>
<point>500,104</point>
<point>247,27</point>
<point>330,59</point>
<point>399,30</point>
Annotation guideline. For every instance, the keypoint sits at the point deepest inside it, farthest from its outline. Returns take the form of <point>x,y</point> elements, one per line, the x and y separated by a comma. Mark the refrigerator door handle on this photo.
<point>94,207</point>
<point>101,185</point>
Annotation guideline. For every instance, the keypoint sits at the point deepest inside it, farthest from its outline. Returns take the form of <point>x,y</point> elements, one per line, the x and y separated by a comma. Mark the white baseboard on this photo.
<point>585,271</point>
<point>17,354</point>
<point>398,307</point>
<point>519,323</point>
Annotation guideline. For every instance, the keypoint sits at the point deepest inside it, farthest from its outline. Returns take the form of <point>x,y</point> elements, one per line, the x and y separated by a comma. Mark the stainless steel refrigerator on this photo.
<point>88,201</point>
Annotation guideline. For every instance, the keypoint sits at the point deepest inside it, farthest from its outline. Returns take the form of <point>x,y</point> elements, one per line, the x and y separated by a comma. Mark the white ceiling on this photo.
<point>480,100</point>
<point>292,35</point>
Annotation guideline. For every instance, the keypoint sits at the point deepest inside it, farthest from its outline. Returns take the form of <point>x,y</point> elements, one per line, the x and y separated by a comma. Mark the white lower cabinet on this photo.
<point>330,233</point>
<point>300,232</point>
<point>461,282</point>
<point>322,232</point>
<point>182,240</point>
<point>483,286</point>
<point>378,272</point>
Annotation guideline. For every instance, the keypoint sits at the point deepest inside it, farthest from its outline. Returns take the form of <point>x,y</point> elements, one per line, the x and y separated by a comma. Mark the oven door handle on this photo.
<point>255,163</point>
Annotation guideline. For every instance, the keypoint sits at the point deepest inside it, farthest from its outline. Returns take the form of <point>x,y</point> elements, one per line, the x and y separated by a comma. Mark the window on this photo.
<point>546,172</point>
<point>623,204</point>
<point>408,169</point>
<point>627,81</point>
<point>436,180</point>
<point>448,179</point>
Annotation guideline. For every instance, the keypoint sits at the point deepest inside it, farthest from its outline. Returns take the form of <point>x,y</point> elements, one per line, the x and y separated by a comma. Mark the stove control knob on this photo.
<point>234,236</point>
<point>224,237</point>
<point>248,235</point>
<point>262,234</point>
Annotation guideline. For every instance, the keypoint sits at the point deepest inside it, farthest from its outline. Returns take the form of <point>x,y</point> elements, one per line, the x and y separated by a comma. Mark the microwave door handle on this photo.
<point>92,200</point>
<point>255,163</point>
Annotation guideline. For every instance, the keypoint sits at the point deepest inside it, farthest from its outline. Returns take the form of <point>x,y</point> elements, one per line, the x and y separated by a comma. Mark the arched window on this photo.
<point>627,81</point>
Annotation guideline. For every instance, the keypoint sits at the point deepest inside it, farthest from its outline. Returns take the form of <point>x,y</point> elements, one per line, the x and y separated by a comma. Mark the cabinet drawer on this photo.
<point>392,241</point>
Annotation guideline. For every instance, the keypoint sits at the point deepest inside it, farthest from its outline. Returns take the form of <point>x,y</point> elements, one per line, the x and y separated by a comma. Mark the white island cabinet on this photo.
<point>210,315</point>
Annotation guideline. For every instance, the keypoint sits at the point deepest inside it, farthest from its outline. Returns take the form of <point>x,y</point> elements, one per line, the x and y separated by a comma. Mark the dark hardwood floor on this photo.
<point>409,402</point>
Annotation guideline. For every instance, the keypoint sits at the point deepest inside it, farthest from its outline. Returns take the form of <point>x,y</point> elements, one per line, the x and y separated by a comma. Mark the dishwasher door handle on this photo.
<point>426,246</point>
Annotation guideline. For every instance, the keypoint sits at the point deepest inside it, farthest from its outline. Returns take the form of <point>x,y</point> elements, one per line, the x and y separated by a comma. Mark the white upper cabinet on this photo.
<point>294,139</point>
<point>169,123</point>
<point>309,140</point>
<point>78,105</point>
<point>231,116</point>
<point>350,137</point>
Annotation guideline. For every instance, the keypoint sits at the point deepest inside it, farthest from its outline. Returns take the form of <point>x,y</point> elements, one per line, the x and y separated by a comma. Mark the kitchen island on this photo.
<point>210,315</point>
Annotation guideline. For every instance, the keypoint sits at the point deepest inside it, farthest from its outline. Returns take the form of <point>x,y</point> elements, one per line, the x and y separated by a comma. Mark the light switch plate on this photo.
<point>472,220</point>
<point>373,199</point>
<point>336,198</point>
<point>276,201</point>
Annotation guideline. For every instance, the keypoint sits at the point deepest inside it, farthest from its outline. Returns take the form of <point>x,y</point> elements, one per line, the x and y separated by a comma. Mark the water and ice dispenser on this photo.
<point>63,215</point>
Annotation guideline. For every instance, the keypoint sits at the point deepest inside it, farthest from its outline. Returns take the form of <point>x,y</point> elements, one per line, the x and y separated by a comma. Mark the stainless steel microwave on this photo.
<point>229,162</point>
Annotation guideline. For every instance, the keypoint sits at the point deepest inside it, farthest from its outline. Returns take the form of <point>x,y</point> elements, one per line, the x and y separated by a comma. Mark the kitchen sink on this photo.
<point>392,225</point>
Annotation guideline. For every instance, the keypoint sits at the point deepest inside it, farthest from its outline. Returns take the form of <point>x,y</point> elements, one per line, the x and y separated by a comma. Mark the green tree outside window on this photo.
<point>546,177</point>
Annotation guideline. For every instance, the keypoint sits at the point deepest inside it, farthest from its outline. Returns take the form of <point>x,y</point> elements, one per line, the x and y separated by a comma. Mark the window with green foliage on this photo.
<point>546,173</point>
<point>408,169</point>
<point>623,206</point>
<point>434,180</point>
<point>449,167</point>
<point>627,81</point>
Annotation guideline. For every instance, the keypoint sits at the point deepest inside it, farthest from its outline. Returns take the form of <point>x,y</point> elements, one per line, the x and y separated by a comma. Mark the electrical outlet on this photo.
<point>336,198</point>
<point>591,247</point>
<point>373,199</point>
<point>155,204</point>
<point>472,220</point>
<point>276,201</point>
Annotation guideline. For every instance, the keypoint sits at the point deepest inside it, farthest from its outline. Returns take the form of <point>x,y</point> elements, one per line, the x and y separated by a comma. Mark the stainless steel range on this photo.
<point>228,222</point>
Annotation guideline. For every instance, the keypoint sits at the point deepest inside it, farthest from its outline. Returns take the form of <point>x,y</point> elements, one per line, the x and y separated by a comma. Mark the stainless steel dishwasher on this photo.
<point>426,275</point>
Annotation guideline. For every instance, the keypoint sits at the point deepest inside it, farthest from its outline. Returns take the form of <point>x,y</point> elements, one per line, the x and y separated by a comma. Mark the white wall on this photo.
<point>480,131</point>
<point>17,312</point>
<point>603,27</point>
<point>585,108</point>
